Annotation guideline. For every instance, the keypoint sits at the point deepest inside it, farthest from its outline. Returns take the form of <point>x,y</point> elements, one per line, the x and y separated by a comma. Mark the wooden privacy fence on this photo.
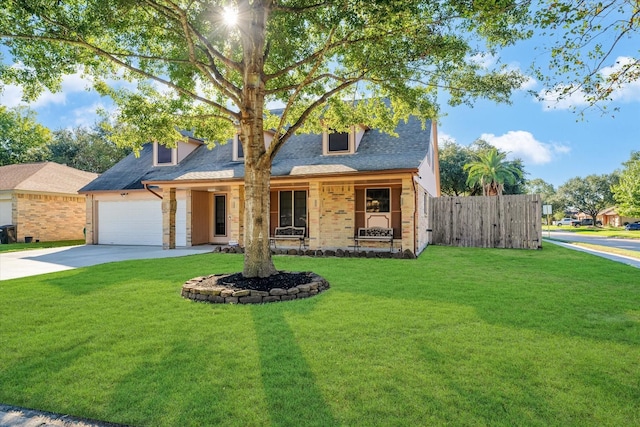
<point>488,221</point>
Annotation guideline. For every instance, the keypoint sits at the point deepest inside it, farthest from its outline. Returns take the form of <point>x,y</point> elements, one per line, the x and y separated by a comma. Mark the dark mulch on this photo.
<point>282,280</point>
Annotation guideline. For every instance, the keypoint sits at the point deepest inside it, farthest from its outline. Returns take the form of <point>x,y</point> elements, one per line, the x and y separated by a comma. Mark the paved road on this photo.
<point>41,261</point>
<point>628,244</point>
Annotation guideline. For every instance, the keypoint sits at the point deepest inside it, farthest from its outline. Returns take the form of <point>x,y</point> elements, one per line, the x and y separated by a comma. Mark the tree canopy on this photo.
<point>85,149</point>
<point>593,47</point>
<point>588,195</point>
<point>22,139</point>
<point>491,171</point>
<point>453,178</point>
<point>627,191</point>
<point>196,71</point>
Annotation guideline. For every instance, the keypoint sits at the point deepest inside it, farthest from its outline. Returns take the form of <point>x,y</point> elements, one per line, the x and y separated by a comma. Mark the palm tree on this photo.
<point>491,171</point>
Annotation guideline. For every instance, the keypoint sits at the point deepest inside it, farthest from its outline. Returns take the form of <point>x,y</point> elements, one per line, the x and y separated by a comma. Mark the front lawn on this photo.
<point>458,337</point>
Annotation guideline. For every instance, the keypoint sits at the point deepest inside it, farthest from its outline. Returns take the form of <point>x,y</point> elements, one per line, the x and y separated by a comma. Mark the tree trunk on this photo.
<point>257,164</point>
<point>257,255</point>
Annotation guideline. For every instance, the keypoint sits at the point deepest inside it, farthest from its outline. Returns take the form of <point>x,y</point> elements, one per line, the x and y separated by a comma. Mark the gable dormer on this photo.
<point>342,142</point>
<point>238,151</point>
<point>170,156</point>
<point>164,156</point>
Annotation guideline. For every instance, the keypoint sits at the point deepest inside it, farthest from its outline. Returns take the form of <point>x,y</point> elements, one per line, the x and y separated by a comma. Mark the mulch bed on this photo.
<point>283,280</point>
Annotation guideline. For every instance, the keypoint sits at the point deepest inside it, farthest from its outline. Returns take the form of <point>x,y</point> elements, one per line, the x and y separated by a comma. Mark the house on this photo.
<point>610,217</point>
<point>41,200</point>
<point>330,184</point>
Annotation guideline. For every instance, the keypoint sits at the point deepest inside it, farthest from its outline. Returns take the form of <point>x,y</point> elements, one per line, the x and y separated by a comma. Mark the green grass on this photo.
<point>608,249</point>
<point>15,247</point>
<point>458,337</point>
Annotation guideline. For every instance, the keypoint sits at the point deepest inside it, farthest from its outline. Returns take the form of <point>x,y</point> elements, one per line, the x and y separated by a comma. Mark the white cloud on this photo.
<point>529,84</point>
<point>72,83</point>
<point>484,59</point>
<point>522,144</point>
<point>87,115</point>
<point>444,137</point>
<point>11,96</point>
<point>564,97</point>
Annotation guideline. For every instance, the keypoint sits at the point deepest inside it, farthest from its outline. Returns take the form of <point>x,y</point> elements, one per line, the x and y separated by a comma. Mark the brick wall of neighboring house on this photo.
<point>50,217</point>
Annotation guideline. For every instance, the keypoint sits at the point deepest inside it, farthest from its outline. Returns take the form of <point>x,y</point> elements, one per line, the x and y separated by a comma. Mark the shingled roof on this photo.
<point>300,155</point>
<point>44,177</point>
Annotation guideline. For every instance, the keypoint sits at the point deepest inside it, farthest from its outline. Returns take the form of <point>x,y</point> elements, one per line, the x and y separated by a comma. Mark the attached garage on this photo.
<point>137,222</point>
<point>5,211</point>
<point>130,222</point>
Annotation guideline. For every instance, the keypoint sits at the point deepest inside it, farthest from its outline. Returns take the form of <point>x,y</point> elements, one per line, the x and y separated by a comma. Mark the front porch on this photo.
<point>329,210</point>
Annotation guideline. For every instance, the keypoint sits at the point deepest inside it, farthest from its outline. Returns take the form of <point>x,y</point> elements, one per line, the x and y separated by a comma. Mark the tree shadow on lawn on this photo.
<point>293,395</point>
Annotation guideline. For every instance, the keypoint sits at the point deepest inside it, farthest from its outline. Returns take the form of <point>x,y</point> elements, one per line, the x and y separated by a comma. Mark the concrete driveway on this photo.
<point>41,261</point>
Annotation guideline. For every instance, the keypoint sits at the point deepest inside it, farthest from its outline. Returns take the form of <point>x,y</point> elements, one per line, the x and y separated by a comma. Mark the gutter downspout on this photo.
<point>146,187</point>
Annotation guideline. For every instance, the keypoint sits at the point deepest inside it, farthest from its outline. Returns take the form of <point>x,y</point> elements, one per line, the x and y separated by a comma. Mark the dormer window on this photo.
<point>238,152</point>
<point>342,142</point>
<point>163,155</point>
<point>339,142</point>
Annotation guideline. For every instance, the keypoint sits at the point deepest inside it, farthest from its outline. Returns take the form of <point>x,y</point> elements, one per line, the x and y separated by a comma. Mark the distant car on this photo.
<point>633,226</point>
<point>587,222</point>
<point>568,221</point>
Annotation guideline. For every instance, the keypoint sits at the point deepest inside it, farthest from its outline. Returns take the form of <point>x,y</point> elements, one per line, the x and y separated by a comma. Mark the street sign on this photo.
<point>546,209</point>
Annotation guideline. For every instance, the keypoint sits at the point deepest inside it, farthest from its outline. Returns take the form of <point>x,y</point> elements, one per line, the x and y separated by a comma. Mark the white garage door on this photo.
<point>134,222</point>
<point>5,212</point>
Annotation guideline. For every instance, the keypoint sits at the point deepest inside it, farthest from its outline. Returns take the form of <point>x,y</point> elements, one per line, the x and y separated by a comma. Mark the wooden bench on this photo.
<point>374,234</point>
<point>289,233</point>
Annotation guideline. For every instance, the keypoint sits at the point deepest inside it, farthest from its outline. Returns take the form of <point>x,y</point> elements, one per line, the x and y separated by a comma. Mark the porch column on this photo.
<point>189,208</point>
<point>235,210</point>
<point>313,220</point>
<point>88,226</point>
<point>169,207</point>
<point>408,207</point>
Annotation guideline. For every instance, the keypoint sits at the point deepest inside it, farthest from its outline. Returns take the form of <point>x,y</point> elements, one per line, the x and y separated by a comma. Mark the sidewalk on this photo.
<point>13,416</point>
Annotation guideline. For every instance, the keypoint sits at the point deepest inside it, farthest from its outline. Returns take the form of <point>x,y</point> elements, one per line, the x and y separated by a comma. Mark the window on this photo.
<point>238,152</point>
<point>378,200</point>
<point>165,155</point>
<point>220,203</point>
<point>338,142</point>
<point>293,208</point>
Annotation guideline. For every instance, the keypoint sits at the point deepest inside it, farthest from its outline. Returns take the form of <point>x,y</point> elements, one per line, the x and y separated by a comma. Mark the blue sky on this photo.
<point>554,142</point>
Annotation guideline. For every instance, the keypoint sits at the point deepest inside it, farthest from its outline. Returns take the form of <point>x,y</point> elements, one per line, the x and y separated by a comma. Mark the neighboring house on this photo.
<point>330,184</point>
<point>42,200</point>
<point>610,217</point>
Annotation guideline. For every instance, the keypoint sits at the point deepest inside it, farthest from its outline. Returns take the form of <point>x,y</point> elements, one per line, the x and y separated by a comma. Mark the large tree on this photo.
<point>589,195</point>
<point>627,191</point>
<point>453,178</point>
<point>22,138</point>
<point>212,66</point>
<point>491,171</point>
<point>87,149</point>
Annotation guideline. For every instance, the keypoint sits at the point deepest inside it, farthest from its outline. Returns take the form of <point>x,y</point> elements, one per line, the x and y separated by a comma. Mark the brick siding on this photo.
<point>49,217</point>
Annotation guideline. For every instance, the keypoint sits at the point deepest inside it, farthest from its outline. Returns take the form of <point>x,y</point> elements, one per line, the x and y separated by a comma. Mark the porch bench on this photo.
<point>289,233</point>
<point>374,234</point>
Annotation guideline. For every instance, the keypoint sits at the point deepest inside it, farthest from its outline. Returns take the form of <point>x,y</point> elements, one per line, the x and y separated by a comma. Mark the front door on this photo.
<point>220,218</point>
